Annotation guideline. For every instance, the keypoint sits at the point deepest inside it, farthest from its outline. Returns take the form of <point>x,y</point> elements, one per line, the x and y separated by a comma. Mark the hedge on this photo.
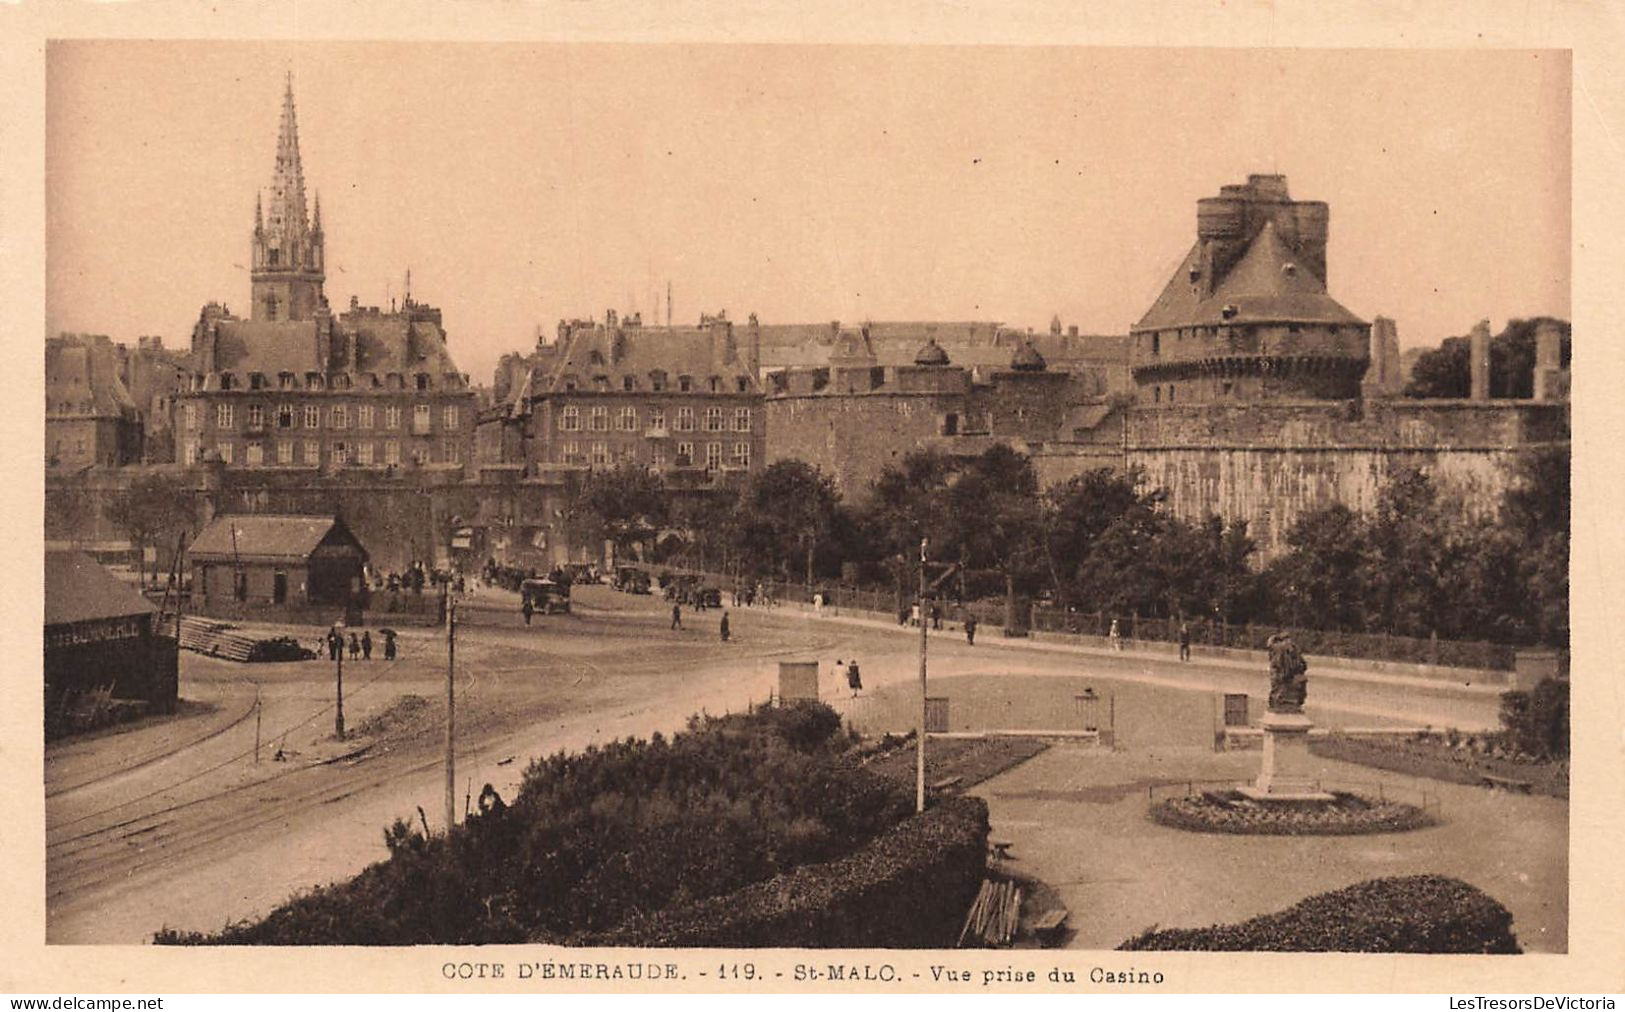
<point>596,837</point>
<point>1537,722</point>
<point>1417,914</point>
<point>908,889</point>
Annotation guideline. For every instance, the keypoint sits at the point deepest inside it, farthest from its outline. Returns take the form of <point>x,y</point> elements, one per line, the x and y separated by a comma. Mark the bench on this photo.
<point>1494,782</point>
<point>947,783</point>
<point>1001,849</point>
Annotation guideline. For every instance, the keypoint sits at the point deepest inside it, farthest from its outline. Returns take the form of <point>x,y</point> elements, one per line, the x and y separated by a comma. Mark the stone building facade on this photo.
<point>854,416</point>
<point>681,401</point>
<point>295,385</point>
<point>90,417</point>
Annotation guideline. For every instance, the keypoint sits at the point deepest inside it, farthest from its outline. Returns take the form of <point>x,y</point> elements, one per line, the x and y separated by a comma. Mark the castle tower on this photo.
<point>288,264</point>
<point>1247,316</point>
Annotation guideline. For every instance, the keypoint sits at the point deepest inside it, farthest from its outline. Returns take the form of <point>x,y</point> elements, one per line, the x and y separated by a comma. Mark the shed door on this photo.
<point>279,587</point>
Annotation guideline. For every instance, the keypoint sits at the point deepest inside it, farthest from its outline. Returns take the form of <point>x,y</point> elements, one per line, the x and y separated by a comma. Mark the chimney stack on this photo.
<point>1479,353</point>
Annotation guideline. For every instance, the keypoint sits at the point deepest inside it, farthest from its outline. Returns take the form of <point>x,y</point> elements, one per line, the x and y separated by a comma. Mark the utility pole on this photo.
<point>338,715</point>
<point>919,771</point>
<point>451,711</point>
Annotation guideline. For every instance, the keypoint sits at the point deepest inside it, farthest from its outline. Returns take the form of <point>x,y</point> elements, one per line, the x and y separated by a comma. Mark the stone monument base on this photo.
<point>1285,774</point>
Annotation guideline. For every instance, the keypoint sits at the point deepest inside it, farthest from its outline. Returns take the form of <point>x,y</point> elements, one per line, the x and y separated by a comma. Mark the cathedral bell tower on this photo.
<point>288,260</point>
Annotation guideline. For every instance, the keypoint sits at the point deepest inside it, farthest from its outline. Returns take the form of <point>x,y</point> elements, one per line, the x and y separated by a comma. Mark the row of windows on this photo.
<point>316,381</point>
<point>658,382</point>
<point>283,416</point>
<point>626,419</point>
<point>290,453</point>
<point>1180,334</point>
<point>601,455</point>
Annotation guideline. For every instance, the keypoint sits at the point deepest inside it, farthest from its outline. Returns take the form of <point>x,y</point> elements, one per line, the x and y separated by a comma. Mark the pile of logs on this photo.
<point>995,917</point>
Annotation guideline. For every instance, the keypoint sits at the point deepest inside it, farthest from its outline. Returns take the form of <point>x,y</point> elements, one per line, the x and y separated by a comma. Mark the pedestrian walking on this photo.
<point>902,615</point>
<point>854,680</point>
<point>389,644</point>
<point>1184,642</point>
<point>970,630</point>
<point>936,616</point>
<point>722,627</point>
<point>335,643</point>
<point>527,609</point>
<point>677,616</point>
<point>366,646</point>
<point>355,647</point>
<point>1114,636</point>
<point>914,615</point>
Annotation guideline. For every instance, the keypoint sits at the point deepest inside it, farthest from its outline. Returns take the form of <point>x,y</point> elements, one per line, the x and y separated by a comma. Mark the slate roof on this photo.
<point>81,377</point>
<point>268,347</point>
<point>1260,287</point>
<point>384,343</point>
<point>79,590</point>
<point>262,536</point>
<point>639,351</point>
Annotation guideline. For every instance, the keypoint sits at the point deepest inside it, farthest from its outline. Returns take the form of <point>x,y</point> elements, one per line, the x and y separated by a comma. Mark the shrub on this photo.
<point>1537,722</point>
<point>1419,913</point>
<point>623,828</point>
<point>909,888</point>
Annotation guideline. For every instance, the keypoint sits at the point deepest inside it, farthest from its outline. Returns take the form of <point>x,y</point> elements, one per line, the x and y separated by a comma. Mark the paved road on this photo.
<point>202,835</point>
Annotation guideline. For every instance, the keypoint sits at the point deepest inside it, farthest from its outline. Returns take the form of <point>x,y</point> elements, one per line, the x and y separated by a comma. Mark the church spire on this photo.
<point>288,220</point>
<point>288,259</point>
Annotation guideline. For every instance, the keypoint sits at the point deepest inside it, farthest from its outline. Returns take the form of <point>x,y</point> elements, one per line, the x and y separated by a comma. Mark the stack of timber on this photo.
<point>995,917</point>
<point>217,639</point>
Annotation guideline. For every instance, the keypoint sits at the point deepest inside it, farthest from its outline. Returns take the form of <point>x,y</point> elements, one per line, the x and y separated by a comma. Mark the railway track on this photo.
<point>158,831</point>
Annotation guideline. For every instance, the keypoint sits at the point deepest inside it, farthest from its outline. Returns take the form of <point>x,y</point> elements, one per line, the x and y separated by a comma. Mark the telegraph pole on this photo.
<point>919,772</point>
<point>451,711</point>
<point>338,714</point>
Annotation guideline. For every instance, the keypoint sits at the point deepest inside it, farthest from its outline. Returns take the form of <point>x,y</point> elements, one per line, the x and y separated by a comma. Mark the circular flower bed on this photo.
<point>1230,811</point>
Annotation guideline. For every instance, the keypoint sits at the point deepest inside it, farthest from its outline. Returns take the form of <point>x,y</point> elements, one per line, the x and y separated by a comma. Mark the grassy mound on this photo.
<point>1419,913</point>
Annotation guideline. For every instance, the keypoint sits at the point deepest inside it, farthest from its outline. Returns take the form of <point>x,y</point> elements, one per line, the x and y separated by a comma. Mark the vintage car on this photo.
<point>632,580</point>
<point>546,597</point>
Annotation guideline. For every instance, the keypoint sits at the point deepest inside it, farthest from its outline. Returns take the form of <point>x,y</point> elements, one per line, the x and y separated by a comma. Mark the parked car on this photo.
<point>546,596</point>
<point>710,597</point>
<point>631,580</point>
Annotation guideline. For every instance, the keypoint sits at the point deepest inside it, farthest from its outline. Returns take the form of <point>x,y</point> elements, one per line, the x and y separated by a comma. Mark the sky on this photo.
<point>523,183</point>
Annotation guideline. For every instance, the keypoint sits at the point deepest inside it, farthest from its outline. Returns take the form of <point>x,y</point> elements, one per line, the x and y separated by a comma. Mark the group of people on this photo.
<point>359,644</point>
<point>723,627</point>
<point>854,678</point>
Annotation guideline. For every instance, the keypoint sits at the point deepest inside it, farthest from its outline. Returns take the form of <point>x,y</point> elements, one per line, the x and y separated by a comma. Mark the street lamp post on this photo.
<point>338,713</point>
<point>919,772</point>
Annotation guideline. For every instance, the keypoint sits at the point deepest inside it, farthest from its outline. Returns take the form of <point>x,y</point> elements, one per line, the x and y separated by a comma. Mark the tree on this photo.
<point>1316,584</point>
<point>626,506</point>
<point>908,503</point>
<point>1078,511</point>
<point>788,509</point>
<point>1446,371</point>
<point>1534,519</point>
<point>154,508</point>
<point>996,519</point>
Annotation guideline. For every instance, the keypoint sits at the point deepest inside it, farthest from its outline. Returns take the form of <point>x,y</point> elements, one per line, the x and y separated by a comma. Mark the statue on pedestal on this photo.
<point>1289,681</point>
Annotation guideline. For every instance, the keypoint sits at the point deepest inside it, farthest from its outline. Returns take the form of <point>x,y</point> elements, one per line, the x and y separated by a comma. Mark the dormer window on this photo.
<point>423,381</point>
<point>256,381</point>
<point>744,384</point>
<point>716,384</point>
<point>685,383</point>
<point>313,381</point>
<point>597,358</point>
<point>284,380</point>
<point>227,381</point>
<point>395,381</point>
<point>628,383</point>
<point>657,381</point>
